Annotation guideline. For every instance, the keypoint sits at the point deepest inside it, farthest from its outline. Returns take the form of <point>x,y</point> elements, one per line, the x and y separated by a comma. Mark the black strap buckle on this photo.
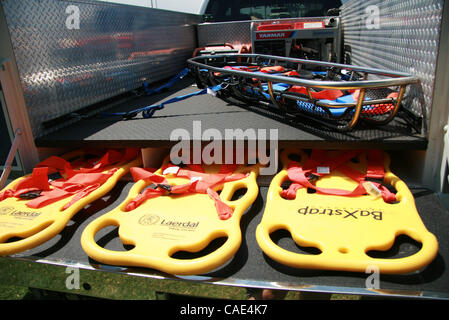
<point>312,177</point>
<point>376,180</point>
<point>54,176</point>
<point>30,195</point>
<point>166,187</point>
<point>129,115</point>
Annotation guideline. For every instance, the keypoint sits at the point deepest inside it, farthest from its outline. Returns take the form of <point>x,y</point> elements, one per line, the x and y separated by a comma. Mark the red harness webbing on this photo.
<point>328,94</point>
<point>80,182</point>
<point>272,69</point>
<point>301,176</point>
<point>200,182</point>
<point>242,68</point>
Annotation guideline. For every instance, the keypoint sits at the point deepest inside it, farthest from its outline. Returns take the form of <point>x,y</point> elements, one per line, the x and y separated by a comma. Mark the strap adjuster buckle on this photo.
<point>30,195</point>
<point>379,180</point>
<point>312,177</point>
<point>166,187</point>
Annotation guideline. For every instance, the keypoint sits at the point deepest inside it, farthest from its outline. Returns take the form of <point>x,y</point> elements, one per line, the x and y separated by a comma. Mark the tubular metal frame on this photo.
<point>214,65</point>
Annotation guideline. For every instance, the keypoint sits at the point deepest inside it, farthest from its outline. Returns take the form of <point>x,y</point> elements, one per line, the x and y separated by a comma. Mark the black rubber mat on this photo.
<point>214,113</point>
<point>251,264</point>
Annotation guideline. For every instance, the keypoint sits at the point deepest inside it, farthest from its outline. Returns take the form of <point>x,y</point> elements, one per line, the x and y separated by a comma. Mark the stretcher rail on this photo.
<point>369,103</point>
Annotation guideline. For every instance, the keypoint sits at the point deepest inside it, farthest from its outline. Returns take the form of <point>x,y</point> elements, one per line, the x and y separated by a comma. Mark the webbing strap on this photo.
<point>272,69</point>
<point>327,94</point>
<point>171,82</point>
<point>148,111</point>
<point>80,182</point>
<point>242,68</point>
<point>79,185</point>
<point>200,182</point>
<point>58,164</point>
<point>375,167</point>
<point>302,176</point>
<point>37,182</point>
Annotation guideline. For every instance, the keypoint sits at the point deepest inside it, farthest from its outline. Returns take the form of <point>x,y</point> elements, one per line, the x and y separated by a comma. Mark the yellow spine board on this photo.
<point>162,226</point>
<point>36,226</point>
<point>343,228</point>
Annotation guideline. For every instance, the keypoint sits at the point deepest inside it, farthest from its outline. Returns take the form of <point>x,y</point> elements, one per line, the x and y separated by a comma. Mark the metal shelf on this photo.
<point>214,113</point>
<point>249,267</point>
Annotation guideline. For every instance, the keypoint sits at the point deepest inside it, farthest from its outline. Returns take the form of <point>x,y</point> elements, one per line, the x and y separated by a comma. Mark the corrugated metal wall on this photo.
<point>71,54</point>
<point>396,35</point>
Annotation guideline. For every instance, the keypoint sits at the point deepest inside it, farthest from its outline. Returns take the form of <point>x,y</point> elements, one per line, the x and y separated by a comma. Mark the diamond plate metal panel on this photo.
<point>404,38</point>
<point>235,32</point>
<point>116,47</point>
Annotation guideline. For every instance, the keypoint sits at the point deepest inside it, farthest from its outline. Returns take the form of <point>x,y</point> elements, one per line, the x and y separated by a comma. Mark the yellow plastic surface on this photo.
<point>344,229</point>
<point>36,226</point>
<point>162,226</point>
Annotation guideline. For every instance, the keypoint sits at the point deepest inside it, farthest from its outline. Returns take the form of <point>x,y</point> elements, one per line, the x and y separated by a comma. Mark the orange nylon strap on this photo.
<point>80,181</point>
<point>200,182</point>
<point>301,176</point>
<point>38,181</point>
<point>272,69</point>
<point>79,185</point>
<point>328,94</point>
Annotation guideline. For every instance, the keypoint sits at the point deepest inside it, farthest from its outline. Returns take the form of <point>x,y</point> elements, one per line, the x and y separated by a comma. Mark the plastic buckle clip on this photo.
<point>312,177</point>
<point>166,187</point>
<point>30,195</point>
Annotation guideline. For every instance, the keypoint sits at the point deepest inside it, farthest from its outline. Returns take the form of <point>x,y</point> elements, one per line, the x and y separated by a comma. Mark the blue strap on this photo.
<point>148,111</point>
<point>172,81</point>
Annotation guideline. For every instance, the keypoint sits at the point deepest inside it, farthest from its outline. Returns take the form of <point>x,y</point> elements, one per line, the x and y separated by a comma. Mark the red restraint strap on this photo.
<point>80,185</point>
<point>377,108</point>
<point>58,164</point>
<point>200,182</point>
<point>80,182</point>
<point>272,69</point>
<point>242,68</point>
<point>291,73</point>
<point>301,176</point>
<point>327,94</point>
<point>36,182</point>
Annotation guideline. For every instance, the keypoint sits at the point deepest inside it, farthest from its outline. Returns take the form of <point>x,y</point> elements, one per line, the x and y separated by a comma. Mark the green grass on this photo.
<point>9,292</point>
<point>13,293</point>
<point>17,276</point>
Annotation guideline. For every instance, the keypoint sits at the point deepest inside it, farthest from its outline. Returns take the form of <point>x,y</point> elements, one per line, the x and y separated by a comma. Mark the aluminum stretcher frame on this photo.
<point>214,64</point>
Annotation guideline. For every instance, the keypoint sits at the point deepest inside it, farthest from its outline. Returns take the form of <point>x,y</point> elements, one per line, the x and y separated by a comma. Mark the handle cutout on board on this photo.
<point>403,246</point>
<point>283,239</point>
<point>17,237</point>
<point>108,236</point>
<point>214,245</point>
